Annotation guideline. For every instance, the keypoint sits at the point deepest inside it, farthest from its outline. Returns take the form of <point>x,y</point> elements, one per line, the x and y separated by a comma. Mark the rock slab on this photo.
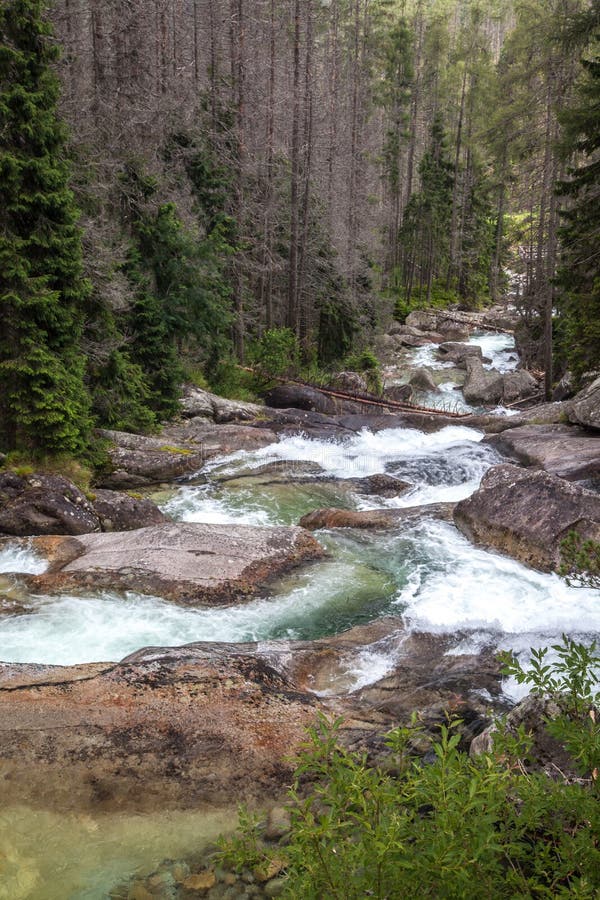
<point>586,406</point>
<point>527,514</point>
<point>44,504</point>
<point>190,563</point>
<point>563,450</point>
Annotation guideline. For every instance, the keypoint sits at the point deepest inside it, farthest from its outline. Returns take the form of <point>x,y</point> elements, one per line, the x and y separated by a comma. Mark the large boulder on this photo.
<point>298,396</point>
<point>351,382</point>
<point>519,385</point>
<point>423,380</point>
<point>482,386</point>
<point>200,403</point>
<point>398,393</point>
<point>563,450</point>
<point>527,514</point>
<point>139,460</point>
<point>565,388</point>
<point>44,504</point>
<point>454,351</point>
<point>586,406</point>
<point>122,512</point>
<point>190,563</point>
<point>171,728</point>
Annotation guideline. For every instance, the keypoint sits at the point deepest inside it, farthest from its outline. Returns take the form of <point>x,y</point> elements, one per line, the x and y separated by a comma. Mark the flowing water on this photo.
<point>423,571</point>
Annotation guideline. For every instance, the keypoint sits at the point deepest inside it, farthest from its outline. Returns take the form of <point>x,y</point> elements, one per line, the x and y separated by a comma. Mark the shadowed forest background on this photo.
<point>243,167</point>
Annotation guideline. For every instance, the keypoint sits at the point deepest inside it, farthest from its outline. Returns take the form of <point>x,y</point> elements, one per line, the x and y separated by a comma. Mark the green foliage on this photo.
<point>120,394</point>
<point>367,363</point>
<point>454,827</point>
<point>571,680</point>
<point>580,561</point>
<point>230,380</point>
<point>43,295</point>
<point>440,297</point>
<point>579,270</point>
<point>277,352</point>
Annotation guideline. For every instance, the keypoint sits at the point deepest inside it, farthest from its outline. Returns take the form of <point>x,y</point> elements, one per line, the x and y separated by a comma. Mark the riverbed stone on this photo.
<point>118,511</point>
<point>351,382</point>
<point>197,402</point>
<point>173,728</point>
<point>586,406</point>
<point>44,504</point>
<point>454,351</point>
<point>570,452</point>
<point>299,396</point>
<point>374,518</point>
<point>423,380</point>
<point>519,385</point>
<point>481,385</point>
<point>527,514</point>
<point>190,563</point>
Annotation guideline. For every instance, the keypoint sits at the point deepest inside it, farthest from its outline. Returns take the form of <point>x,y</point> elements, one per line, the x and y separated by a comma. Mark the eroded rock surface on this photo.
<point>527,514</point>
<point>44,504</point>
<point>180,728</point>
<point>564,450</point>
<point>200,403</point>
<point>586,406</point>
<point>190,563</point>
<point>373,518</point>
<point>121,512</point>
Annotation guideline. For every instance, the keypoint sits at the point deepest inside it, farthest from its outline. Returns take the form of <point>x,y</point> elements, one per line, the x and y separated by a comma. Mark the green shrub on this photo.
<point>276,353</point>
<point>580,561</point>
<point>452,827</point>
<point>367,363</point>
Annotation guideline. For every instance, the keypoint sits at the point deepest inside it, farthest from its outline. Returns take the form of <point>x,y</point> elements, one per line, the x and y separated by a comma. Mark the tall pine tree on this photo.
<point>43,403</point>
<point>579,271</point>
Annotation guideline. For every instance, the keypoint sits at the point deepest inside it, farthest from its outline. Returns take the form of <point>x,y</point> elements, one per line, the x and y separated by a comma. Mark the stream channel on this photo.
<point>424,572</point>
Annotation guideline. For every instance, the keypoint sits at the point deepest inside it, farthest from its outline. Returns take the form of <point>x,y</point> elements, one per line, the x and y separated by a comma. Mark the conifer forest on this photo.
<point>179,177</point>
<point>299,449</point>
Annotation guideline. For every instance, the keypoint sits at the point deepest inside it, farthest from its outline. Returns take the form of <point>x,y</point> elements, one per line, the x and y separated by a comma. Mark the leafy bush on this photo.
<point>277,352</point>
<point>455,827</point>
<point>367,363</point>
<point>580,561</point>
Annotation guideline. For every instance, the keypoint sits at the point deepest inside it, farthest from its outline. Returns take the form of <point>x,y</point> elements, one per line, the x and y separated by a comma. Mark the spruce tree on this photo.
<point>579,272</point>
<point>43,403</point>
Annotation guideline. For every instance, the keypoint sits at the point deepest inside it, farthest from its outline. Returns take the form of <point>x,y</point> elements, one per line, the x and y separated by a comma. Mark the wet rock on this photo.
<point>44,504</point>
<point>190,563</point>
<point>527,514</point>
<point>138,460</point>
<point>297,396</point>
<point>381,485</point>
<point>173,728</point>
<point>200,882</point>
<point>121,512</point>
<point>373,518</point>
<point>141,460</point>
<point>351,382</point>
<point>453,351</point>
<point>586,406</point>
<point>563,450</point>
<point>519,386</point>
<point>199,403</point>
<point>482,386</point>
<point>398,393</point>
<point>423,380</point>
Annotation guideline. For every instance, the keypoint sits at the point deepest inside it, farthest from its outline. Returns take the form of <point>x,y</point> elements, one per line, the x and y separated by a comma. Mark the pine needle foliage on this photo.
<point>44,405</point>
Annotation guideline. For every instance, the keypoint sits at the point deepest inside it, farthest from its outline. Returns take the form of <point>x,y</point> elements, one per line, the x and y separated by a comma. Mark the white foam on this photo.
<point>366,453</point>
<point>473,590</point>
<point>499,348</point>
<point>21,560</point>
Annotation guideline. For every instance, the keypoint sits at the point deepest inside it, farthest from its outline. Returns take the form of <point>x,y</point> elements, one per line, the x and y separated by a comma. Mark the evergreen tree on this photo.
<point>579,272</point>
<point>44,404</point>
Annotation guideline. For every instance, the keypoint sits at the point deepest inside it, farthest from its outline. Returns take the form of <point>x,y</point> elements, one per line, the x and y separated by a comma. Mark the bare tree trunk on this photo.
<point>307,173</point>
<point>452,263</point>
<point>415,106</point>
<point>292,311</point>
